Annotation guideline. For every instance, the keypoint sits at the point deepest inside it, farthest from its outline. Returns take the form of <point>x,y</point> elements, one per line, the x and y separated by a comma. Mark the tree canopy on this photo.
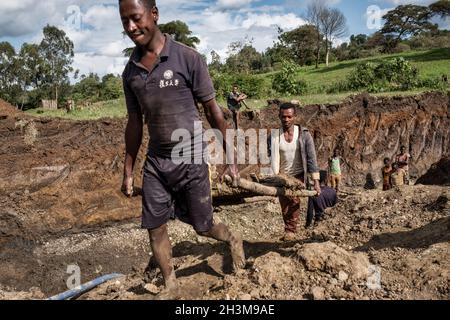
<point>180,32</point>
<point>441,8</point>
<point>407,20</point>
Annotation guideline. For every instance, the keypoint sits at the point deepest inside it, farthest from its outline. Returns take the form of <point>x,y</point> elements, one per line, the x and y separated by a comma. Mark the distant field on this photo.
<point>431,63</point>
<point>104,109</point>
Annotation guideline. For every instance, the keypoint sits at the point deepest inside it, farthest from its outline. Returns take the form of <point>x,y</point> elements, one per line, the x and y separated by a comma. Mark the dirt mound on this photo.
<point>7,110</point>
<point>372,245</point>
<point>439,174</point>
<point>32,294</point>
<point>328,257</point>
<point>60,204</point>
<point>59,176</point>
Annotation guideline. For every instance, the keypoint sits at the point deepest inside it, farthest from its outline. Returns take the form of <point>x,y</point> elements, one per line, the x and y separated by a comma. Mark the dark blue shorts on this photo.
<point>176,190</point>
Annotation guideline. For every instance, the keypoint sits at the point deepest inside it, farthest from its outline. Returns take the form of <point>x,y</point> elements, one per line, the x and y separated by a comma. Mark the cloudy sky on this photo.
<point>95,27</point>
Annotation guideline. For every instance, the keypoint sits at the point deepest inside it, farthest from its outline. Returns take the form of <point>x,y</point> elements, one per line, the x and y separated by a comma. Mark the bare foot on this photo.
<point>237,251</point>
<point>171,290</point>
<point>171,282</point>
<point>289,236</point>
<point>166,294</point>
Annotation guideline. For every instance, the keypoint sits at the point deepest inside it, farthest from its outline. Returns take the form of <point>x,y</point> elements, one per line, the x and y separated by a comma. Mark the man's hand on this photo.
<point>233,171</point>
<point>317,187</point>
<point>242,97</point>
<point>127,186</point>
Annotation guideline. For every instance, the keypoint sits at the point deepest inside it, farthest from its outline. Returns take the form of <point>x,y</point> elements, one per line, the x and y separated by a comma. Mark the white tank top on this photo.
<point>290,155</point>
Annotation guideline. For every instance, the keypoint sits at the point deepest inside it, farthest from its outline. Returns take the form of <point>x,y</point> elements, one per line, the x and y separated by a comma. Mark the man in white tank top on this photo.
<point>290,156</point>
<point>293,153</point>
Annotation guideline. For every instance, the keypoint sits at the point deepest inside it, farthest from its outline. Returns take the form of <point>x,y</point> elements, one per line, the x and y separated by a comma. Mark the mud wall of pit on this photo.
<point>59,176</point>
<point>66,179</point>
<point>439,174</point>
<point>367,129</point>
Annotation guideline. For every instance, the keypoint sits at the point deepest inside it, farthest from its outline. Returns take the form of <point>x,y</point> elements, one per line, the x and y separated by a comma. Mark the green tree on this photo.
<point>355,49</point>
<point>406,20</point>
<point>358,40</point>
<point>32,65</point>
<point>286,81</point>
<point>111,87</point>
<point>57,50</point>
<point>7,72</point>
<point>301,44</point>
<point>215,64</point>
<point>177,29</point>
<point>441,8</point>
<point>243,57</point>
<point>279,52</point>
<point>127,51</point>
<point>88,88</point>
<point>180,32</point>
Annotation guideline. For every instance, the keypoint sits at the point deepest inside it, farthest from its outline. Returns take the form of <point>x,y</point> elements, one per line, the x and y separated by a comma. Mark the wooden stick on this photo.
<point>261,189</point>
<point>259,199</point>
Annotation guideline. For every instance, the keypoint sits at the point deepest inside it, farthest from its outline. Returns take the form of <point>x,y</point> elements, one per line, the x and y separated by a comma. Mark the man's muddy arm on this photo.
<point>133,140</point>
<point>214,115</point>
<point>311,160</point>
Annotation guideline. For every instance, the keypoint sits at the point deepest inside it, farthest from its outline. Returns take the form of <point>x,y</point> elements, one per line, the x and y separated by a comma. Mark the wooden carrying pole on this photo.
<point>248,188</point>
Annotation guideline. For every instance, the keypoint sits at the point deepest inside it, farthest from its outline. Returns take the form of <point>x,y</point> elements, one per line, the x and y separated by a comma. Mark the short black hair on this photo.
<point>386,160</point>
<point>149,4</point>
<point>287,106</point>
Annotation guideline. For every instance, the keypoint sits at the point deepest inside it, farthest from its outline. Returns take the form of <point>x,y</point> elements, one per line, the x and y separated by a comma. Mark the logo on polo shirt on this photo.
<point>168,75</point>
<point>168,80</point>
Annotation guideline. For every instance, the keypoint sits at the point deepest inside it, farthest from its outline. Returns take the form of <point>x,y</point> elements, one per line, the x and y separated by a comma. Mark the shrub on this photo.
<point>396,74</point>
<point>401,47</point>
<point>362,76</point>
<point>341,86</point>
<point>285,82</point>
<point>253,86</point>
<point>433,83</point>
<point>222,83</point>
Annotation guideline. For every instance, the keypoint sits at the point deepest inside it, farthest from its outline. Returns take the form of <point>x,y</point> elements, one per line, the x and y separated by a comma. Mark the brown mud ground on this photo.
<point>60,206</point>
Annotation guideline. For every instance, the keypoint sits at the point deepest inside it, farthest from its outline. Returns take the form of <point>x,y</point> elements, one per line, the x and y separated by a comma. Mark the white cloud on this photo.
<point>98,39</point>
<point>88,63</point>
<point>233,4</point>
<point>399,2</point>
<point>21,18</point>
<point>286,21</point>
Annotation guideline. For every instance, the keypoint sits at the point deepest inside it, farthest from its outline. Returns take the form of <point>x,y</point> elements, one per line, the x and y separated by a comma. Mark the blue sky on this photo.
<point>94,25</point>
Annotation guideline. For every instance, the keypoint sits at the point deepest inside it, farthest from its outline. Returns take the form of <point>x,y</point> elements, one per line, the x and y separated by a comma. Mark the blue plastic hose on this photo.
<point>85,287</point>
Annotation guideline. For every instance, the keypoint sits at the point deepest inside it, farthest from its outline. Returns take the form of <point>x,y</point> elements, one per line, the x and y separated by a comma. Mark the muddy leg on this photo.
<point>222,233</point>
<point>235,119</point>
<point>162,251</point>
<point>290,208</point>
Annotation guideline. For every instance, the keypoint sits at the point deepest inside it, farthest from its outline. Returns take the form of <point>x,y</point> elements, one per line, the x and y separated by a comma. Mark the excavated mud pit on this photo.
<point>60,205</point>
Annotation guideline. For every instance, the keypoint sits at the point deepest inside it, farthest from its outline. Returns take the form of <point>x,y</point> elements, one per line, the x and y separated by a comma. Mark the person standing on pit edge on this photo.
<point>334,167</point>
<point>293,153</point>
<point>402,161</point>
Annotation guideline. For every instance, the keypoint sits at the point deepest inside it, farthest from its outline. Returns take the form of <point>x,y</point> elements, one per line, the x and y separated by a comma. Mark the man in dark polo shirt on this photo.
<point>162,82</point>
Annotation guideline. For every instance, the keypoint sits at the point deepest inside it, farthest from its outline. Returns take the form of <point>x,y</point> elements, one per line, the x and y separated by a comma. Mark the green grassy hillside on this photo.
<point>431,63</point>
